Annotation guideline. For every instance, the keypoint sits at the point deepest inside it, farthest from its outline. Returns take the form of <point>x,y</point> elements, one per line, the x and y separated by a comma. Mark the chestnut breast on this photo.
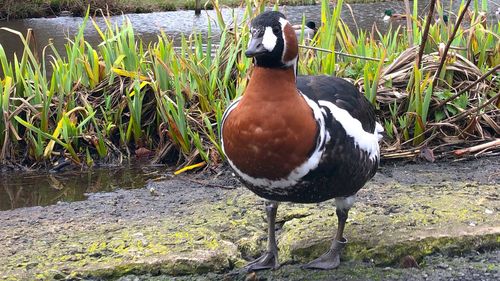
<point>272,130</point>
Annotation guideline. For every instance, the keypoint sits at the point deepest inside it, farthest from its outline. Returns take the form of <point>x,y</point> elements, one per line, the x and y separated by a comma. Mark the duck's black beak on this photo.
<point>255,47</point>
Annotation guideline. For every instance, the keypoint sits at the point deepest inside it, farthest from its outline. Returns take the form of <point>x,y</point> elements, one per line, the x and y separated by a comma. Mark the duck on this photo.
<point>309,30</point>
<point>300,139</point>
<point>444,19</point>
<point>390,15</point>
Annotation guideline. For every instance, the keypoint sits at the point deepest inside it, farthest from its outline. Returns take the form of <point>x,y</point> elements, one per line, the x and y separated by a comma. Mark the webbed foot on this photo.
<point>330,259</point>
<point>269,260</point>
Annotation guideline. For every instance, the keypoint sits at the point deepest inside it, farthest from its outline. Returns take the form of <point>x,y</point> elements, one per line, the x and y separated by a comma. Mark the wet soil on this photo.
<point>204,226</point>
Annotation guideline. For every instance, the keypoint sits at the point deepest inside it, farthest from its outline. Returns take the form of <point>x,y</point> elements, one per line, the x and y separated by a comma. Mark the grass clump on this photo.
<point>121,98</point>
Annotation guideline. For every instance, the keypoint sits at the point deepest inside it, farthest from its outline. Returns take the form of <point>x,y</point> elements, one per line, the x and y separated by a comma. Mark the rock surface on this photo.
<point>206,227</point>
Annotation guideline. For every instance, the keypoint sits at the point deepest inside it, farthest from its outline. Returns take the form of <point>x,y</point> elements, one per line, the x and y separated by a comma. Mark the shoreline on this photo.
<point>35,9</point>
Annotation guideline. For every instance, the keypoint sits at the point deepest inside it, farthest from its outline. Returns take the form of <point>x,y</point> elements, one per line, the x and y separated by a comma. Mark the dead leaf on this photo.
<point>427,154</point>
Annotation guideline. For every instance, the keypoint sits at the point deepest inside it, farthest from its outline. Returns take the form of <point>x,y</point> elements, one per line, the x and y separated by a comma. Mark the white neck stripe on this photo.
<point>292,62</point>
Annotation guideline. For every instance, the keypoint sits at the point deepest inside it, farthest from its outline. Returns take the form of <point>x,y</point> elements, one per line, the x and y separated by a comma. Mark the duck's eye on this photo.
<point>276,30</point>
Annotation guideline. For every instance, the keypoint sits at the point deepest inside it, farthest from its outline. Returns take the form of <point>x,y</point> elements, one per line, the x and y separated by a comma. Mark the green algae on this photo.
<point>418,220</point>
<point>432,221</point>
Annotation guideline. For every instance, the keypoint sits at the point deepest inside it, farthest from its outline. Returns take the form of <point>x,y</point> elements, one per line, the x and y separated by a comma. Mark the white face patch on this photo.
<point>269,39</point>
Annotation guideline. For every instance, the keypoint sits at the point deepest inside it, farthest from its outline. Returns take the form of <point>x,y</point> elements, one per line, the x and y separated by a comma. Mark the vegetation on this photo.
<point>124,98</point>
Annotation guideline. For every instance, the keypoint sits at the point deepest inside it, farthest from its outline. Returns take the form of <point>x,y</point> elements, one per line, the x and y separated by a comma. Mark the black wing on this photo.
<point>341,93</point>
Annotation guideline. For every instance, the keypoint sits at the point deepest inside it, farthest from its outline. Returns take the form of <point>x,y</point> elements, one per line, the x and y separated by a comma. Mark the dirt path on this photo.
<point>190,225</point>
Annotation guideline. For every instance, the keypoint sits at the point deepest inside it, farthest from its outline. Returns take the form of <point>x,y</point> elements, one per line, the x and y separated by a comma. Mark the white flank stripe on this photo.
<point>353,128</point>
<point>269,39</point>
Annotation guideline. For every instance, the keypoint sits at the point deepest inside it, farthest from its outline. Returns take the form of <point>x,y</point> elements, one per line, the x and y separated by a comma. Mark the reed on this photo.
<point>123,98</point>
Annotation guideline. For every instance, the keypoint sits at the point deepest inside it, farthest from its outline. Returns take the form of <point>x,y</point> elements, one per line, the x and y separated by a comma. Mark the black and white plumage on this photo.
<point>306,31</point>
<point>300,139</point>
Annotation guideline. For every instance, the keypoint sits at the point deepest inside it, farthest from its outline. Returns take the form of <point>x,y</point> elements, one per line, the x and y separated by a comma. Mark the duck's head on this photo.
<point>311,25</point>
<point>445,18</point>
<point>388,13</point>
<point>273,42</point>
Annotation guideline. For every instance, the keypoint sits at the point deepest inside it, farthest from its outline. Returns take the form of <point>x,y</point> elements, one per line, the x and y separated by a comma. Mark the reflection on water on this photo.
<point>148,26</point>
<point>23,189</point>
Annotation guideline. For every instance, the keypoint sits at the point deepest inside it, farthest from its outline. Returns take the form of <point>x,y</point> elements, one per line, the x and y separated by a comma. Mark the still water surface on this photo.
<point>42,188</point>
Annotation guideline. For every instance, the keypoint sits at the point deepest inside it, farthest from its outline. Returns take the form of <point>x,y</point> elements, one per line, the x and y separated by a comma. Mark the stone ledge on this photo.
<point>214,231</point>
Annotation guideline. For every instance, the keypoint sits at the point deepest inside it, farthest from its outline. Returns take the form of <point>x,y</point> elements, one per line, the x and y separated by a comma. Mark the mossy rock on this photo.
<point>130,232</point>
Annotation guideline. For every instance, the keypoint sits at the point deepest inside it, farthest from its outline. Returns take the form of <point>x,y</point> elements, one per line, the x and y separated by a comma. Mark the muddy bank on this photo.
<point>207,224</point>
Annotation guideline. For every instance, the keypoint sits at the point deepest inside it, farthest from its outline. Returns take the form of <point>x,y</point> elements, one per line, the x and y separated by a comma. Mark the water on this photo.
<point>24,189</point>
